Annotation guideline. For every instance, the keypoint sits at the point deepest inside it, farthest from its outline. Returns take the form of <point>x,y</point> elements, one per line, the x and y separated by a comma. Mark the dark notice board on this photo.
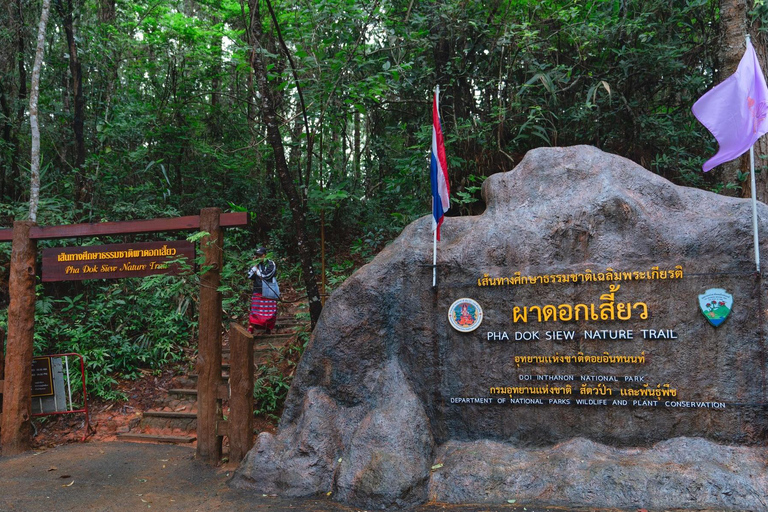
<point>42,377</point>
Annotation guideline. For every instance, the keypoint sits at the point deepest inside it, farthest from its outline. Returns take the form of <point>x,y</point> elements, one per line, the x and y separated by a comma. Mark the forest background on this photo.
<point>314,116</point>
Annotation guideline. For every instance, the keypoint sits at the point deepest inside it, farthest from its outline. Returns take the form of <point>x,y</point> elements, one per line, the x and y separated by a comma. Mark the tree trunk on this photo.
<point>734,26</point>
<point>356,152</point>
<point>12,172</point>
<point>274,138</point>
<point>34,187</point>
<point>760,42</point>
<point>83,188</point>
<point>214,119</point>
<point>7,136</point>
<point>16,432</point>
<point>107,11</point>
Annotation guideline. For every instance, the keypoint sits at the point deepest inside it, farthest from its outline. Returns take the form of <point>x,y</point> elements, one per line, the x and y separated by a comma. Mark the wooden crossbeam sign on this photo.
<point>125,227</point>
<point>117,260</point>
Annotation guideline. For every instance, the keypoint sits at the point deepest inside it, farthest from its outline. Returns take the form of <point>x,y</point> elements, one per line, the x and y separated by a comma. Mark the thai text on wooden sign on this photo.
<point>116,260</point>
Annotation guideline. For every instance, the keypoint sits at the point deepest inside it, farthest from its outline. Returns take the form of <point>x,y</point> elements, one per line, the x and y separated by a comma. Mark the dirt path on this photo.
<point>119,476</point>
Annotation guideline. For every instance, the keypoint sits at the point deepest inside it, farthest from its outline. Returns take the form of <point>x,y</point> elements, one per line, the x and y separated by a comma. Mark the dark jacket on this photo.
<point>263,271</point>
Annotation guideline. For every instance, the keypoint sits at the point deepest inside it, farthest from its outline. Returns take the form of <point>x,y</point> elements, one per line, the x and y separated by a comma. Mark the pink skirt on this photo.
<point>263,311</point>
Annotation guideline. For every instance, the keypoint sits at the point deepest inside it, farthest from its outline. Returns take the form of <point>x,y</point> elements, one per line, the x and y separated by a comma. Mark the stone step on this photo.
<point>168,420</point>
<point>184,381</point>
<point>170,414</point>
<point>156,438</point>
<point>259,337</point>
<point>184,391</point>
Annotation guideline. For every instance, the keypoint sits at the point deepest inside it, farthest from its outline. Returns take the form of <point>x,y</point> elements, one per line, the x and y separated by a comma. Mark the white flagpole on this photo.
<point>754,197</point>
<point>434,233</point>
<point>754,207</point>
<point>434,259</point>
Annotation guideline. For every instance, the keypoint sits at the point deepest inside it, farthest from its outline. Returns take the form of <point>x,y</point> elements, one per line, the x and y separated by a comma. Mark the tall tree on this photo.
<point>83,188</point>
<point>13,91</point>
<point>737,19</point>
<point>274,137</point>
<point>34,188</point>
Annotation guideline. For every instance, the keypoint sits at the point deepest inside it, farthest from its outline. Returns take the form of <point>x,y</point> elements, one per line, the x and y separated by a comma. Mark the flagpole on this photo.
<point>434,232</point>
<point>439,175</point>
<point>754,195</point>
<point>434,258</point>
<point>754,207</point>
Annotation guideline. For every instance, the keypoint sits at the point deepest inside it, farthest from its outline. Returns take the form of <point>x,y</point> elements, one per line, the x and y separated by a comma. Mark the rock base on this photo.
<point>681,473</point>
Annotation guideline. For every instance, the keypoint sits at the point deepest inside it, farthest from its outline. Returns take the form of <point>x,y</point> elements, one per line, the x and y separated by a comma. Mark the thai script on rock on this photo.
<point>580,358</point>
<point>661,390</point>
<point>129,253</point>
<point>583,277</point>
<point>607,310</point>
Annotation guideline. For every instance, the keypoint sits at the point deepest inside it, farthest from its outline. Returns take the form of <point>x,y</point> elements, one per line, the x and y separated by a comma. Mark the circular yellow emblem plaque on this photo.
<point>465,315</point>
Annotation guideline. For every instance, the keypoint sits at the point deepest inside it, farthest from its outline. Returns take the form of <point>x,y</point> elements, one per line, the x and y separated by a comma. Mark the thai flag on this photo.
<point>438,170</point>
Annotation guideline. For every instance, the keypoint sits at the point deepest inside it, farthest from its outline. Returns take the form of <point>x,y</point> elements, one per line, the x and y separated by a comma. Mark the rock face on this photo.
<point>682,473</point>
<point>594,377</point>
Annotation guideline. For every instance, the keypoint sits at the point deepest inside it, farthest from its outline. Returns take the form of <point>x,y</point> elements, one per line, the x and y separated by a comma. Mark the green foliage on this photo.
<point>118,327</point>
<point>235,288</point>
<point>269,390</point>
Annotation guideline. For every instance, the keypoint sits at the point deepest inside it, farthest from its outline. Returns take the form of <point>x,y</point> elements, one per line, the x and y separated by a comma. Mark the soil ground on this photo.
<point>119,476</point>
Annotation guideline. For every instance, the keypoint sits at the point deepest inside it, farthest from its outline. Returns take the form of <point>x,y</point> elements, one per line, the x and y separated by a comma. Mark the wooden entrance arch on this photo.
<point>16,388</point>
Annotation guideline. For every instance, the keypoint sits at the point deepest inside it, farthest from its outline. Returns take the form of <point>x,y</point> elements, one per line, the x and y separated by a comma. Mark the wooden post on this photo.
<point>16,432</point>
<point>209,350</point>
<point>2,372</point>
<point>240,426</point>
<point>2,357</point>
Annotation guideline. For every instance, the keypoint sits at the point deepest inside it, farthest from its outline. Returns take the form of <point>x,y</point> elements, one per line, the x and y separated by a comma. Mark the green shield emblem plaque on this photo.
<point>716,305</point>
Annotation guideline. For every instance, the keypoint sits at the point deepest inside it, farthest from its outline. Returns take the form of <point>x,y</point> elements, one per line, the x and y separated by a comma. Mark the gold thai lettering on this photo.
<point>118,255</point>
<point>579,358</point>
<point>600,389</point>
<point>660,391</point>
<point>511,391</point>
<point>654,274</point>
<point>608,310</point>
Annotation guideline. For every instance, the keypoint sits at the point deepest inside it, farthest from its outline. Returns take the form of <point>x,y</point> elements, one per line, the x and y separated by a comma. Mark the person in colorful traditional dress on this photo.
<point>265,292</point>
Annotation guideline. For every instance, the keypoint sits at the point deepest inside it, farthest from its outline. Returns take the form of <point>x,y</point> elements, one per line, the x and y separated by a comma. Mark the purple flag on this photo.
<point>735,111</point>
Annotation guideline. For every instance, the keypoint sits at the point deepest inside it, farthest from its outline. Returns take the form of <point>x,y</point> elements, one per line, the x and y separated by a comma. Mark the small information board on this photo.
<point>42,377</point>
<point>49,391</point>
<point>52,388</point>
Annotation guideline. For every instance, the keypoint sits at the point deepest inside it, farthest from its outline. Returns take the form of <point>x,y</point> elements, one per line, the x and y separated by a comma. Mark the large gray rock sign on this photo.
<point>595,377</point>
